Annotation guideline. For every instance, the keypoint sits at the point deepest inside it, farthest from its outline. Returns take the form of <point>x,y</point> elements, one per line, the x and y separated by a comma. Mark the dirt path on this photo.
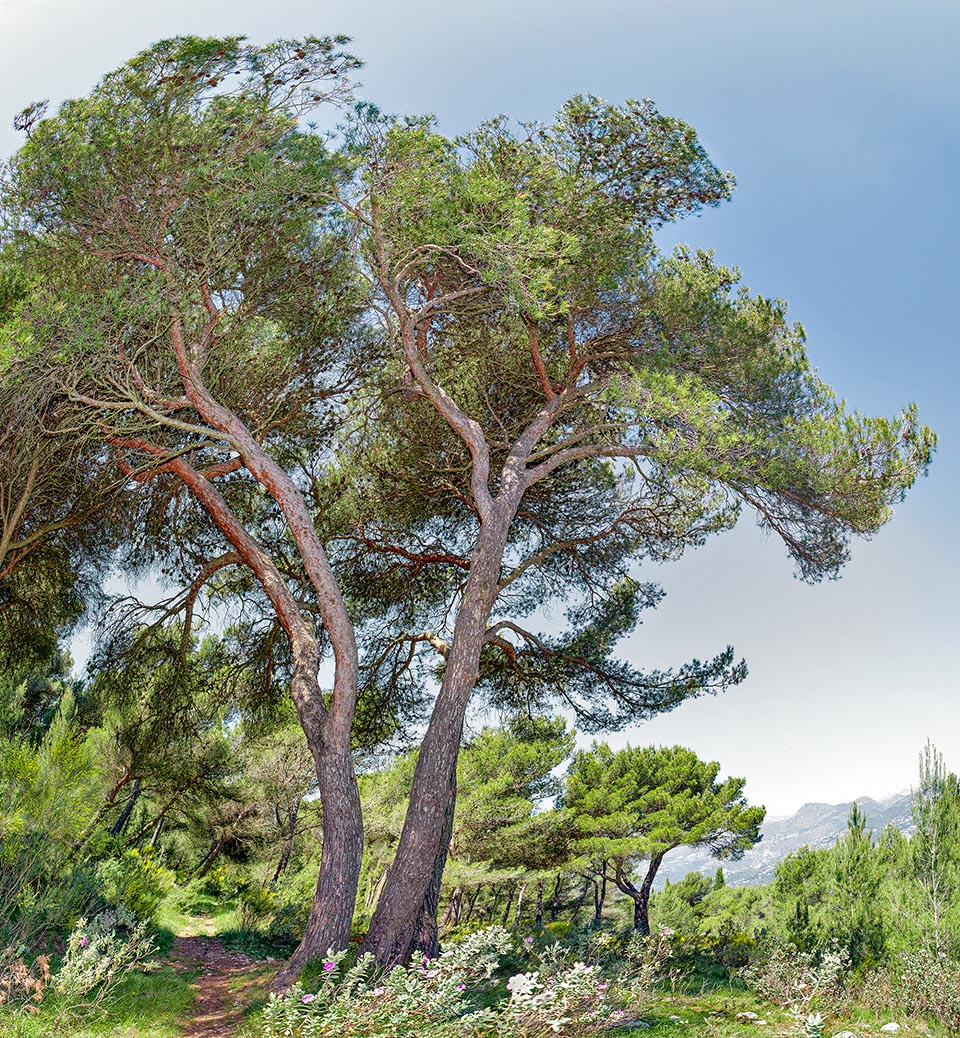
<point>225,978</point>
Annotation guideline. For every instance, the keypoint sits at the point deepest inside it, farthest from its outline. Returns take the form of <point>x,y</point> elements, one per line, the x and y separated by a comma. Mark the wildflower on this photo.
<point>461,987</point>
<point>328,965</point>
<point>528,940</point>
<point>83,942</point>
<point>379,991</point>
<point>307,999</point>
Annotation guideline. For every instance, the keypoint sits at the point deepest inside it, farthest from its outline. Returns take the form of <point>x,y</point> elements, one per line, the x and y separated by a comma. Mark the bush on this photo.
<point>99,954</point>
<point>800,981</point>
<point>919,983</point>
<point>443,997</point>
<point>134,880</point>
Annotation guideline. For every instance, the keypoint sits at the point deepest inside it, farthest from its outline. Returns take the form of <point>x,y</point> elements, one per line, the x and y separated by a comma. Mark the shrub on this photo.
<point>439,998</point>
<point>99,954</point>
<point>799,981</point>
<point>22,986</point>
<point>920,983</point>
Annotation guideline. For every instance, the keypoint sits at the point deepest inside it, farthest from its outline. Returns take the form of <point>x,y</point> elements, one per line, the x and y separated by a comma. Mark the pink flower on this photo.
<point>329,966</point>
<point>426,959</point>
<point>461,987</point>
<point>83,942</point>
<point>379,991</point>
<point>307,999</point>
<point>528,940</point>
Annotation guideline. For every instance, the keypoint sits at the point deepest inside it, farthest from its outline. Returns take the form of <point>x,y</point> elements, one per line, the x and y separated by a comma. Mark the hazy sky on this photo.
<point>841,120</point>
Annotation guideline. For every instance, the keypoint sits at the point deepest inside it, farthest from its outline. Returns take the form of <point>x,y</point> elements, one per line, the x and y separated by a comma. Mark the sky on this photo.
<point>841,121</point>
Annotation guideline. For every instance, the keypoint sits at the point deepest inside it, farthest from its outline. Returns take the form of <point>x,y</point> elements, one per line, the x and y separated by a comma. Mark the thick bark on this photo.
<point>328,927</point>
<point>327,730</point>
<point>411,894</point>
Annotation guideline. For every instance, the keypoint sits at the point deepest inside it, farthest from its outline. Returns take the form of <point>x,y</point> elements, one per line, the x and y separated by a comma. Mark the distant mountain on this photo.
<point>816,825</point>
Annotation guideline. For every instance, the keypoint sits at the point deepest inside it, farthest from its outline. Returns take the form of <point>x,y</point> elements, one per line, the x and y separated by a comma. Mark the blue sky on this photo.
<point>841,121</point>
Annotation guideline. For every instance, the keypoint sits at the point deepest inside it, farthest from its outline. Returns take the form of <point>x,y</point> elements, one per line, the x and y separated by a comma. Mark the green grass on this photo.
<point>145,1005</point>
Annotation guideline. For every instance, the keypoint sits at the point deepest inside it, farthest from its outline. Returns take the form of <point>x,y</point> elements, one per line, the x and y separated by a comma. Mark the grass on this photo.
<point>145,1005</point>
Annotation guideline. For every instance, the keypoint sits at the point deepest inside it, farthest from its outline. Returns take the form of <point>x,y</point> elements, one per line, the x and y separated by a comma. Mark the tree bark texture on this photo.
<point>412,890</point>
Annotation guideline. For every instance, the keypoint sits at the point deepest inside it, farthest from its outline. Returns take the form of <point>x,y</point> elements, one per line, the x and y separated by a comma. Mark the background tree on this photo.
<point>572,402</point>
<point>637,805</point>
<point>928,864</point>
<point>857,916</point>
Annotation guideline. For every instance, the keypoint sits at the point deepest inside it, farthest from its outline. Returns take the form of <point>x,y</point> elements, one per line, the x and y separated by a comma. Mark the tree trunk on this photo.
<point>599,897</point>
<point>121,822</point>
<point>555,898</point>
<point>331,914</point>
<point>509,905</point>
<point>641,895</point>
<point>206,862</point>
<point>452,914</point>
<point>516,917</point>
<point>472,902</point>
<point>645,890</point>
<point>291,831</point>
<point>373,895</point>
<point>157,830</point>
<point>538,917</point>
<point>412,891</point>
<point>580,900</point>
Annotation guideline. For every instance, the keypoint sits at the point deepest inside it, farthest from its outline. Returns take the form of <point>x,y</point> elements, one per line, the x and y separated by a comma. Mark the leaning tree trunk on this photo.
<point>519,911</point>
<point>402,920</point>
<point>121,822</point>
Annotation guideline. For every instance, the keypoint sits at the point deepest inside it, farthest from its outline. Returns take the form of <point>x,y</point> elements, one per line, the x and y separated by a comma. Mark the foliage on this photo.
<point>47,793</point>
<point>640,804</point>
<point>100,953</point>
<point>556,993</point>
<point>800,981</point>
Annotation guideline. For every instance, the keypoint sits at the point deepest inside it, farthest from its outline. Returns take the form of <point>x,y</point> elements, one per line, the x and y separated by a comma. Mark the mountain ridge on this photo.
<point>813,824</point>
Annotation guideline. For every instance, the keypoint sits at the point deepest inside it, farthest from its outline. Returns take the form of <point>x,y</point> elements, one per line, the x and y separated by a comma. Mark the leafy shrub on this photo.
<point>99,954</point>
<point>920,983</point>
<point>799,981</point>
<point>438,998</point>
<point>134,880</point>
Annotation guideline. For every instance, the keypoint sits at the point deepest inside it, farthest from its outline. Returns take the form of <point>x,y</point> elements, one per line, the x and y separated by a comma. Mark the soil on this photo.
<point>225,982</point>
